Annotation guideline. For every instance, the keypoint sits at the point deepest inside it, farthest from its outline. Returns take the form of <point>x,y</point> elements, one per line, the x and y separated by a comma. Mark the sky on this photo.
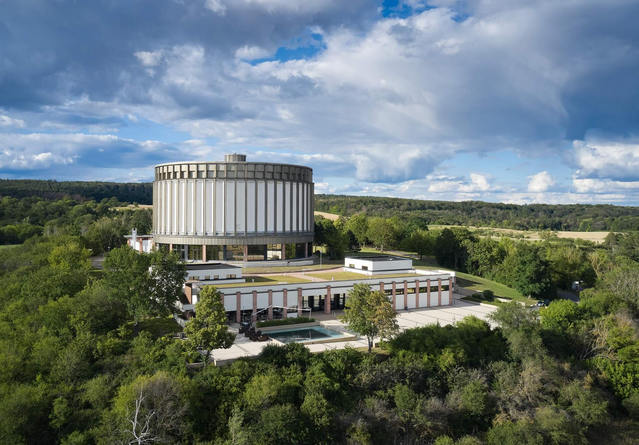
<point>518,101</point>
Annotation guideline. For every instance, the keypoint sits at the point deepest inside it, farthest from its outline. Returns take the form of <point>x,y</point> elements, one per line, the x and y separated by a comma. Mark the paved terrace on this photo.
<point>444,315</point>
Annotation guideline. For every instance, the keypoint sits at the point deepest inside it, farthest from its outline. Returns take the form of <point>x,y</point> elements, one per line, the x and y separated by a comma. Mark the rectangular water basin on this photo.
<point>312,334</point>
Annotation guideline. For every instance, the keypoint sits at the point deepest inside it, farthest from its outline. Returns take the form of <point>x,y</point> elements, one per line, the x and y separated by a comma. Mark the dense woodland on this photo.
<point>132,192</point>
<point>92,357</point>
<point>579,217</point>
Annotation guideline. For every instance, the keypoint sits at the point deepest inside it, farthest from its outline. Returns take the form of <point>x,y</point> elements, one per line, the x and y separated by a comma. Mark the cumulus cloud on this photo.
<point>617,160</point>
<point>386,101</point>
<point>540,182</point>
<point>7,121</point>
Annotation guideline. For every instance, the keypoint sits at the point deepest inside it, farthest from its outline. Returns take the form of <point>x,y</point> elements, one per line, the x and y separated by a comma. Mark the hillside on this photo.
<point>579,217</point>
<point>141,193</point>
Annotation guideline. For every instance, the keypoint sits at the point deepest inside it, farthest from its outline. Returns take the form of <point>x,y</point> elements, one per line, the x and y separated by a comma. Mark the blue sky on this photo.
<point>495,100</point>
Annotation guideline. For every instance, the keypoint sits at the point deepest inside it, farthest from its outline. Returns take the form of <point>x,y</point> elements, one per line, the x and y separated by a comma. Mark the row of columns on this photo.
<point>417,286</point>
<point>244,253</point>
<point>329,297</point>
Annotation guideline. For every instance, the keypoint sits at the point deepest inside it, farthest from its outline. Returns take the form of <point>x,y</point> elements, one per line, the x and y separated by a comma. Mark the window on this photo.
<point>231,275</point>
<point>364,267</point>
<point>207,277</point>
<point>216,277</point>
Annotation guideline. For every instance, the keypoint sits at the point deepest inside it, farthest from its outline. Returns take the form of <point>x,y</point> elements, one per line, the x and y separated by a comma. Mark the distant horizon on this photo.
<point>340,194</point>
<point>492,100</point>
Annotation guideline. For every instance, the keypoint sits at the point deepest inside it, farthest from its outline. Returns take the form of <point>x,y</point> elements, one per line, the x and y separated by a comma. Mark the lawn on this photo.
<point>253,280</point>
<point>337,276</point>
<point>7,246</point>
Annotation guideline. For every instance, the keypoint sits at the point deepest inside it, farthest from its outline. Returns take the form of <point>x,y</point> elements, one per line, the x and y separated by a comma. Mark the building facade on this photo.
<point>234,210</point>
<point>422,290</point>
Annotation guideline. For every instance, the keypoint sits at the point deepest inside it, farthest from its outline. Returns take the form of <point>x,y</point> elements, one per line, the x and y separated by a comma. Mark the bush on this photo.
<point>488,295</point>
<point>284,322</point>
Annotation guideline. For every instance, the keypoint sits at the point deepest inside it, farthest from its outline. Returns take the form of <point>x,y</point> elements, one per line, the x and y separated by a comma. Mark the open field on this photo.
<point>532,235</point>
<point>134,207</point>
<point>331,216</point>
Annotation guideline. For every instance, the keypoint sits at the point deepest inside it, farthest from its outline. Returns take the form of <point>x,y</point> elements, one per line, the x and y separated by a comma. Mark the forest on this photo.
<point>86,352</point>
<point>580,217</point>
<point>93,356</point>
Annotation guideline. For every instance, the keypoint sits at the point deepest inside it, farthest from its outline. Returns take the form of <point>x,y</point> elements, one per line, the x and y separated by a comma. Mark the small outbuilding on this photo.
<point>378,264</point>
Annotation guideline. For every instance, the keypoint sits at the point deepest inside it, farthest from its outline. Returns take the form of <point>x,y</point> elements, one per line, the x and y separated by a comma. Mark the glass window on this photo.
<point>195,252</point>
<point>213,253</point>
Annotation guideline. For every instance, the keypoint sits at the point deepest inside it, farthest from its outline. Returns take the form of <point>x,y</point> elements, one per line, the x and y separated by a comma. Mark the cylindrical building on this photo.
<point>233,210</point>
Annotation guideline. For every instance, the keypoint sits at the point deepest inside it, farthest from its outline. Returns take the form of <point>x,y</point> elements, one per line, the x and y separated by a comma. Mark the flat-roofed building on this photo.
<point>378,264</point>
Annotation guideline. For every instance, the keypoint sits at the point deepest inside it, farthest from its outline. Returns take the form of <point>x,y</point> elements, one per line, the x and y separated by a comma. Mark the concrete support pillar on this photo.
<point>204,252</point>
<point>238,307</point>
<point>254,293</point>
<point>270,305</point>
<point>285,303</point>
<point>245,254</point>
<point>405,294</point>
<point>439,292</point>
<point>381,286</point>
<point>305,250</point>
<point>283,251</point>
<point>300,302</point>
<point>140,248</point>
<point>394,297</point>
<point>417,292</point>
<point>254,316</point>
<point>327,300</point>
<point>428,293</point>
<point>170,247</point>
<point>451,284</point>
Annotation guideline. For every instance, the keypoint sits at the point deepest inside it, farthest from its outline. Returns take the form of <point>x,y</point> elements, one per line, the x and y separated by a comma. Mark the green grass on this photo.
<point>328,276</point>
<point>256,280</point>
<point>8,246</point>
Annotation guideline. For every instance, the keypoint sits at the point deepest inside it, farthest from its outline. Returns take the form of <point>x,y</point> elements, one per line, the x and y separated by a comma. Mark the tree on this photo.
<point>358,225</point>
<point>526,270</point>
<point>369,313</point>
<point>167,275</point>
<point>450,249</point>
<point>420,242</point>
<point>381,232</point>
<point>208,330</point>
<point>127,273</point>
<point>151,410</point>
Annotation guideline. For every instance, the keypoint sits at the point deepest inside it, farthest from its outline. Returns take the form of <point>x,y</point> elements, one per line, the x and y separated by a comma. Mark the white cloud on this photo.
<point>540,182</point>
<point>251,52</point>
<point>7,121</point>
<point>607,159</point>
<point>149,58</point>
<point>217,6</point>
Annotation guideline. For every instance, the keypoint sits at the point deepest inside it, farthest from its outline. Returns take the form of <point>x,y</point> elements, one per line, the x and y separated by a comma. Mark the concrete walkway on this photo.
<point>444,315</point>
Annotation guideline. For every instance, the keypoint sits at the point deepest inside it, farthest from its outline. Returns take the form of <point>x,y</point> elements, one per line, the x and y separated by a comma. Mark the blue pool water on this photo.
<point>301,335</point>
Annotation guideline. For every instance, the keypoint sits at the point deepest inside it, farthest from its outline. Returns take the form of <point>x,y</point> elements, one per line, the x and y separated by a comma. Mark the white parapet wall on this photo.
<point>380,264</point>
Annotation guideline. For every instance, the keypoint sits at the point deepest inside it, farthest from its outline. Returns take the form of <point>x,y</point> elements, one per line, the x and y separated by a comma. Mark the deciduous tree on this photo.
<point>369,313</point>
<point>208,330</point>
